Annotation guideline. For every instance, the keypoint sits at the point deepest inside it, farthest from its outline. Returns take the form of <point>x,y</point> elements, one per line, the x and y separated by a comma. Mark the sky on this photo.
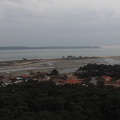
<point>59,22</point>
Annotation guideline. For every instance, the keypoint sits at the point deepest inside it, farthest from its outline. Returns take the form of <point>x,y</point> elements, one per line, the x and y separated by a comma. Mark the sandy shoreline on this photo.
<point>19,67</point>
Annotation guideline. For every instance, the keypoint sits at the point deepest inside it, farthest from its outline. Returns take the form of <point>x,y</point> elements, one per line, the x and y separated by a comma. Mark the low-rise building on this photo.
<point>107,78</point>
<point>113,83</point>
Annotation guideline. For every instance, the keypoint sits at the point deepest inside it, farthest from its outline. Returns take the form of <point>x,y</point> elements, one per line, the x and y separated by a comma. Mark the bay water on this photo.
<point>6,55</point>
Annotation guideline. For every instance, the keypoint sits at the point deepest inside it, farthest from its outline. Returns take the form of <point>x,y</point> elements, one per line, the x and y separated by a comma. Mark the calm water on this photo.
<point>56,53</point>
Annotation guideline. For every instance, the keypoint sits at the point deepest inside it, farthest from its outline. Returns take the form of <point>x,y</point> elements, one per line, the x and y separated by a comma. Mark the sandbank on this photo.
<point>19,67</point>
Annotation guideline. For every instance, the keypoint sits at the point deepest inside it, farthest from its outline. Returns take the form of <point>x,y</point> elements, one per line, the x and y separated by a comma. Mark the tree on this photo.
<point>54,72</point>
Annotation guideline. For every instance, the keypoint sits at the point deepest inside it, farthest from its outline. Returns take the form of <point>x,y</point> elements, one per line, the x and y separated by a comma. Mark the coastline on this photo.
<point>19,67</point>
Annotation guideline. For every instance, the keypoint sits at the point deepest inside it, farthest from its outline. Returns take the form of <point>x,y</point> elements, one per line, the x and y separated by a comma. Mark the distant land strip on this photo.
<point>27,48</point>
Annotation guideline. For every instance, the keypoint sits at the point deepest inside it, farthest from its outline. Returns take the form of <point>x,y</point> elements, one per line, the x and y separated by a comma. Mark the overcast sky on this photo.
<point>59,22</point>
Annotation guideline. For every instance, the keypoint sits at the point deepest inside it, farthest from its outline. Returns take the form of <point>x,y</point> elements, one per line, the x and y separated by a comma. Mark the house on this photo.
<point>17,81</point>
<point>118,81</point>
<point>61,82</point>
<point>114,83</point>
<point>73,81</point>
<point>107,78</point>
<point>25,76</point>
<point>19,78</point>
<point>7,82</point>
<point>13,78</point>
<point>39,79</point>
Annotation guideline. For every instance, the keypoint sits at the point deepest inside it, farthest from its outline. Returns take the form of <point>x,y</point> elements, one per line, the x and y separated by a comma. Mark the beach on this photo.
<point>19,67</point>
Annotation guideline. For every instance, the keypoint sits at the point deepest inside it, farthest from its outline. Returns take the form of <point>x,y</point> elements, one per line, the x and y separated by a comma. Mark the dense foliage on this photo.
<point>54,73</point>
<point>45,101</point>
<point>99,70</point>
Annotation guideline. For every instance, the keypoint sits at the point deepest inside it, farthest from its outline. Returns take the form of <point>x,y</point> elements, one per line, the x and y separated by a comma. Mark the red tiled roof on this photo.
<point>107,78</point>
<point>116,84</point>
<point>12,77</point>
<point>25,75</point>
<point>73,81</point>
<point>39,79</point>
<point>118,80</point>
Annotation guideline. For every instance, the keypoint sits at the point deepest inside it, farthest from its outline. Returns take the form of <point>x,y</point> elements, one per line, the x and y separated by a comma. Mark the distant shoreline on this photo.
<point>53,47</point>
<point>49,53</point>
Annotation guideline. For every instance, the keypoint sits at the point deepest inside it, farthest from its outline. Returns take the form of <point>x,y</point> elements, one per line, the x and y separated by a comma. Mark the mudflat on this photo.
<point>19,67</point>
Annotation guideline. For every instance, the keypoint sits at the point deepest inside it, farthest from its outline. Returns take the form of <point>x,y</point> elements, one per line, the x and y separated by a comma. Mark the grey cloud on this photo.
<point>59,22</point>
